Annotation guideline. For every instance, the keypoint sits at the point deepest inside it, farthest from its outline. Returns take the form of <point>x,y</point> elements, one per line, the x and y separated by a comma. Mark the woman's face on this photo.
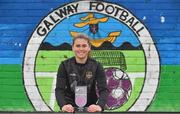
<point>81,48</point>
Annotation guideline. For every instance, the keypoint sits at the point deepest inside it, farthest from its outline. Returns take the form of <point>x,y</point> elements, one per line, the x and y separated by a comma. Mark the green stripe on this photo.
<point>12,93</point>
<point>167,97</point>
<point>48,61</point>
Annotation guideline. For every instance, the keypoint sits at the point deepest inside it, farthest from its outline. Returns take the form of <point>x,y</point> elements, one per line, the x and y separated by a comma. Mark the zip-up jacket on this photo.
<point>90,74</point>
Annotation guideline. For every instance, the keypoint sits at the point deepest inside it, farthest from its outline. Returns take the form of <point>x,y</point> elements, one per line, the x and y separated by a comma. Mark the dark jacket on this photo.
<point>89,74</point>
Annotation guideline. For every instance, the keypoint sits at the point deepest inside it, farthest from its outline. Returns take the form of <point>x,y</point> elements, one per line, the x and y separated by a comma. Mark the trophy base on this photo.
<point>80,109</point>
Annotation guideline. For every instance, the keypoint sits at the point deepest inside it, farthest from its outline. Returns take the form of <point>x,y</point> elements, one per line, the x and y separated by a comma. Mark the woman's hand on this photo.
<point>94,108</point>
<point>68,108</point>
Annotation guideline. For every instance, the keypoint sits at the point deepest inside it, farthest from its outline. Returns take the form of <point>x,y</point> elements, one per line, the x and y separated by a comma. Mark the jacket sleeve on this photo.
<point>60,86</point>
<point>102,86</point>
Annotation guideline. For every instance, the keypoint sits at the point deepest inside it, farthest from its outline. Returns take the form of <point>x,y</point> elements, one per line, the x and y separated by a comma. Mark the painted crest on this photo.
<point>119,40</point>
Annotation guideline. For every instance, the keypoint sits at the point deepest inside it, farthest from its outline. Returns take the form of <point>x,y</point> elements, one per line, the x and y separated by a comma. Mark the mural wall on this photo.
<point>137,43</point>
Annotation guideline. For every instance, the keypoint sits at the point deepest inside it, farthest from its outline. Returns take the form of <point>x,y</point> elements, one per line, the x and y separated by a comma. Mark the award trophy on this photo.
<point>80,97</point>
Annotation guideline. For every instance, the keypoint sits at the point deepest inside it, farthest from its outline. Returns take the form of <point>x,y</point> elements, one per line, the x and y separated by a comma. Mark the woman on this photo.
<point>81,70</point>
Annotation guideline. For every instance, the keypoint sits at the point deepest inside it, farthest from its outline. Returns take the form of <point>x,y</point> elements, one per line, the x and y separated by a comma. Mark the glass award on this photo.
<point>81,97</point>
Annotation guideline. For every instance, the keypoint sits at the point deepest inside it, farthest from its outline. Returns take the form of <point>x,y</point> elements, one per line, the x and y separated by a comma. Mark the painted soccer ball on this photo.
<point>119,86</point>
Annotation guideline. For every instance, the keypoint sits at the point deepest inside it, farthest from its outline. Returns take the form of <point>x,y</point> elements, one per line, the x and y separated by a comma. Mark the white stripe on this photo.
<point>52,99</point>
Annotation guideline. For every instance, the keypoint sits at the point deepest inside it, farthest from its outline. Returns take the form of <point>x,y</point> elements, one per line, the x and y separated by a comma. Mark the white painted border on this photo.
<point>152,68</point>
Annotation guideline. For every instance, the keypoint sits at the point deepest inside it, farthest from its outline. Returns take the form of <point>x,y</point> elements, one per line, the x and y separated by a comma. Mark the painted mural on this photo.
<point>132,40</point>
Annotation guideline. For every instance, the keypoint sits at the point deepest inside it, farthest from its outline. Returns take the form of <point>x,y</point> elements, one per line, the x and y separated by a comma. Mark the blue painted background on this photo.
<point>18,18</point>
